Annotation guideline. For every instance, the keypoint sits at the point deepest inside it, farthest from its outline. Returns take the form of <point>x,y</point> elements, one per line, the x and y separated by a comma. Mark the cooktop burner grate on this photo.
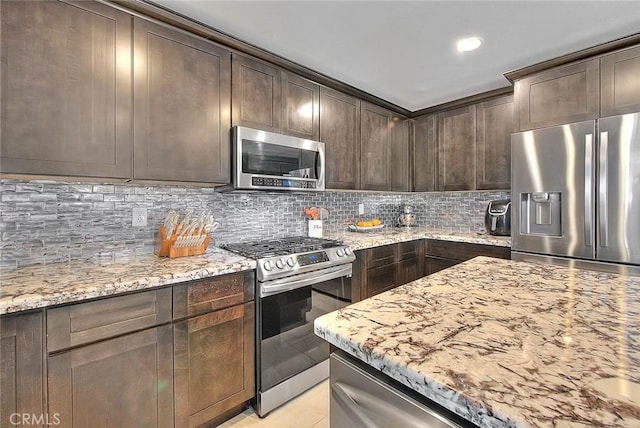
<point>281,247</point>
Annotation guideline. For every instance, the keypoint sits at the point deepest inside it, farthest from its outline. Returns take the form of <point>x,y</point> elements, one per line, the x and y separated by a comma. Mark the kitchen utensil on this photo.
<point>186,237</point>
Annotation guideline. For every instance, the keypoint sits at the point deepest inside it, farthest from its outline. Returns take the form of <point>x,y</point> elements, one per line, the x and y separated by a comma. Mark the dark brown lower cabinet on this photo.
<point>21,374</point>
<point>409,261</point>
<point>435,264</point>
<point>214,364</point>
<point>440,255</point>
<point>380,279</point>
<point>122,382</point>
<point>379,269</point>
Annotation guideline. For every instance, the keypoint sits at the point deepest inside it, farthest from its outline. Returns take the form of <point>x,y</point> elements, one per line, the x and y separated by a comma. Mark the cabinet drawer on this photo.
<point>82,323</point>
<point>206,295</point>
<point>464,251</point>
<point>381,256</point>
<point>409,250</point>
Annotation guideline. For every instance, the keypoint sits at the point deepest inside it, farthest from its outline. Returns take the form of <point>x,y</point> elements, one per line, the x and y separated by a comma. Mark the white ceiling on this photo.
<point>403,51</point>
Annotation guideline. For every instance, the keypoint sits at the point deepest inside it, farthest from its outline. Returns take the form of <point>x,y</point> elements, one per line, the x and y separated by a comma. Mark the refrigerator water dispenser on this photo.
<point>540,213</point>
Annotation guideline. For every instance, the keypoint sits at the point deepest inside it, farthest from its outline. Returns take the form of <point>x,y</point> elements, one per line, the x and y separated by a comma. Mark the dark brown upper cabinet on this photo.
<point>495,124</point>
<point>457,149</point>
<point>300,107</point>
<point>565,94</point>
<point>340,132</point>
<point>424,153</point>
<point>268,98</point>
<point>182,103</point>
<point>257,98</point>
<point>620,82</point>
<point>399,169</point>
<point>66,89</point>
<point>375,147</point>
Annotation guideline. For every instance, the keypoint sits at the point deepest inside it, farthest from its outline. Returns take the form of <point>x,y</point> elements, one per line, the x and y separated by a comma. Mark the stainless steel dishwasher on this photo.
<point>362,397</point>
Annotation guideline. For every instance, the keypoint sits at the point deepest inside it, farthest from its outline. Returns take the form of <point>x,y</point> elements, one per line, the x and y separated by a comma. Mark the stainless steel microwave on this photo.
<point>269,161</point>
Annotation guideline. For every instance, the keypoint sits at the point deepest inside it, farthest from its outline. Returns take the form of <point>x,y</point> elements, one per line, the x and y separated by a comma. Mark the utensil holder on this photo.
<point>166,246</point>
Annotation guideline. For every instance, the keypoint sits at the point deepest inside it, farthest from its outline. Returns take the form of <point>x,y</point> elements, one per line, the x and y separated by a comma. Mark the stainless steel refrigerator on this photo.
<point>576,194</point>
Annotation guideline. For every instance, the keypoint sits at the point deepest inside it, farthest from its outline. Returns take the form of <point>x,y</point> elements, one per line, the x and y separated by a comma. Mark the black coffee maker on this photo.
<point>497,219</point>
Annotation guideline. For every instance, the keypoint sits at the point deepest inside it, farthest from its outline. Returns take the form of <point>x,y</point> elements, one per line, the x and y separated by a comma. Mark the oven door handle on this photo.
<point>281,285</point>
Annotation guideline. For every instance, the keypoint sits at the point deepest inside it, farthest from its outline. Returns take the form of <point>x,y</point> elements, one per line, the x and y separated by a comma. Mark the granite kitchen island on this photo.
<point>504,343</point>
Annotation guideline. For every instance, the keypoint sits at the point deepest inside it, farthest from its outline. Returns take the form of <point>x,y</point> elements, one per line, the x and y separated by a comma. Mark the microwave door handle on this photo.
<point>320,164</point>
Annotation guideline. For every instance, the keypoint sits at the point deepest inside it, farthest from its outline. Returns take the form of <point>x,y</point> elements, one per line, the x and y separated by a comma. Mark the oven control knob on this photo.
<point>340,252</point>
<point>267,266</point>
<point>347,251</point>
<point>291,262</point>
<point>279,263</point>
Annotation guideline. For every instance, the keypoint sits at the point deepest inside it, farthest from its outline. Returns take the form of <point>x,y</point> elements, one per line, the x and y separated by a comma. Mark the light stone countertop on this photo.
<point>392,235</point>
<point>505,343</point>
<point>39,286</point>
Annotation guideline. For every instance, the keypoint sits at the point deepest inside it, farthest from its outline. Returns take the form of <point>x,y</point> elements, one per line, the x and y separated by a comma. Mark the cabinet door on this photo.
<point>182,101</point>
<point>66,89</point>
<point>256,94</point>
<point>380,279</point>
<point>457,149</point>
<point>375,146</point>
<point>566,94</point>
<point>300,107</point>
<point>620,82</point>
<point>21,358</point>
<point>495,124</point>
<point>214,364</point>
<point>399,169</point>
<point>424,149</point>
<point>340,132</point>
<point>409,270</point>
<point>122,382</point>
<point>436,264</point>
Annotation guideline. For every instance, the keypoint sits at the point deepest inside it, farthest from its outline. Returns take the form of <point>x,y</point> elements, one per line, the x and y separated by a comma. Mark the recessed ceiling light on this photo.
<point>468,44</point>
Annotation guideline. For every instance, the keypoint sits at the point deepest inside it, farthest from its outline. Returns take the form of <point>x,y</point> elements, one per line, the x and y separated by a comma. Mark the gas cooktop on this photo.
<point>281,247</point>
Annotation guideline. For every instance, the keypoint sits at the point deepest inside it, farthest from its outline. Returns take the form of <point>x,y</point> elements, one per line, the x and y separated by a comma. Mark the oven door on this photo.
<point>286,312</point>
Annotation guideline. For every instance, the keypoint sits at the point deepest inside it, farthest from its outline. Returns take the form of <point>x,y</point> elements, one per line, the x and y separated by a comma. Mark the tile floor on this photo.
<point>309,410</point>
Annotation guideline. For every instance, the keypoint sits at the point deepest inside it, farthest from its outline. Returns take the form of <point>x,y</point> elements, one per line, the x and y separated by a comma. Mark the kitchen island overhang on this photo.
<point>504,343</point>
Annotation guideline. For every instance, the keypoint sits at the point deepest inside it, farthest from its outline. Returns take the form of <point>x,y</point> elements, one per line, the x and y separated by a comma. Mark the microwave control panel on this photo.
<point>282,182</point>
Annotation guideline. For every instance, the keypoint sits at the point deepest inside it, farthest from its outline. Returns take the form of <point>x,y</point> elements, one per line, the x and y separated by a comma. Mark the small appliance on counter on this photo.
<point>406,218</point>
<point>497,219</point>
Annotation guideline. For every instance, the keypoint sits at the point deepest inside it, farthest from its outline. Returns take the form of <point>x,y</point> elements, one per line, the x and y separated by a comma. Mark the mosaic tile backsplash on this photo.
<point>44,221</point>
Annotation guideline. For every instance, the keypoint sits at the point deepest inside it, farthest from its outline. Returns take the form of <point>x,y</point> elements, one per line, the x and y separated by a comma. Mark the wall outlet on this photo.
<point>360,209</point>
<point>139,217</point>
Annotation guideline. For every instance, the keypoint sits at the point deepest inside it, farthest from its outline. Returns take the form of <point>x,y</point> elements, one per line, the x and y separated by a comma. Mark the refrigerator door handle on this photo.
<point>602,189</point>
<point>588,186</point>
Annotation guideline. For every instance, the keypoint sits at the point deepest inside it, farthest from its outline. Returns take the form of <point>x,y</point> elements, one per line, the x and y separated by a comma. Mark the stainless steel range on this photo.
<point>298,279</point>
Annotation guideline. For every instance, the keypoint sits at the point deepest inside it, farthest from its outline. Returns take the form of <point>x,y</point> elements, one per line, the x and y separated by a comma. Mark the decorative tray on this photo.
<point>354,228</point>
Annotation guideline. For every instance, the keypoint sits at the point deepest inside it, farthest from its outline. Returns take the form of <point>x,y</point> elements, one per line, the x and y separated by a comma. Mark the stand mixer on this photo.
<point>406,218</point>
